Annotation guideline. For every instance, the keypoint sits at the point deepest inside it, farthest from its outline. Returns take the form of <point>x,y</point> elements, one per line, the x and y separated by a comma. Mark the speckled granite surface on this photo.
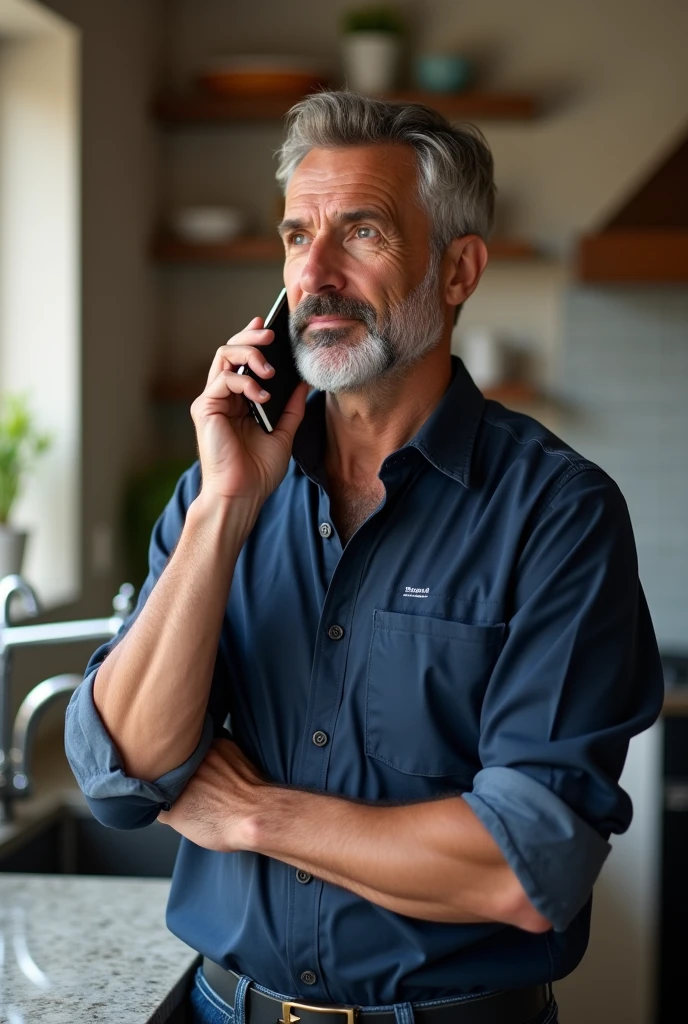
<point>88,950</point>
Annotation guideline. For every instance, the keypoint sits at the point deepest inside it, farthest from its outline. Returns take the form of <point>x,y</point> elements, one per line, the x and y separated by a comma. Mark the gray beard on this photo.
<point>407,333</point>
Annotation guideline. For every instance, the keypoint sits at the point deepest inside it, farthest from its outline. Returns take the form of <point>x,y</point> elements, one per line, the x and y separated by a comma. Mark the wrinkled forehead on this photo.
<point>383,174</point>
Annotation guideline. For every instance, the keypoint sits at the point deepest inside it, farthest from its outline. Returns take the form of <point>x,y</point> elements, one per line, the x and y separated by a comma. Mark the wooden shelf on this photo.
<point>512,250</point>
<point>257,249</point>
<point>646,241</point>
<point>676,701</point>
<point>199,107</point>
<point>513,393</point>
<point>492,106</point>
<point>635,256</point>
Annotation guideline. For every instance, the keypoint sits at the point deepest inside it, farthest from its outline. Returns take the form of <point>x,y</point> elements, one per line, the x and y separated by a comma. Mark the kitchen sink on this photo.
<point>69,840</point>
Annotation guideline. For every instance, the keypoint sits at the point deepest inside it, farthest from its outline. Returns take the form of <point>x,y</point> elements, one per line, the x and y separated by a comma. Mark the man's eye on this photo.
<point>367,232</point>
<point>298,239</point>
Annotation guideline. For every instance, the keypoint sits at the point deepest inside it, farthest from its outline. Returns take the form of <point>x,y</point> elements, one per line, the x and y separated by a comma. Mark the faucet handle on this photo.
<point>11,585</point>
<point>123,602</point>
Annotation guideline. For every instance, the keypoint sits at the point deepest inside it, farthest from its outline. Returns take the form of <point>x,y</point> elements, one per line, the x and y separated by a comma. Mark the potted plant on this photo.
<point>20,445</point>
<point>371,49</point>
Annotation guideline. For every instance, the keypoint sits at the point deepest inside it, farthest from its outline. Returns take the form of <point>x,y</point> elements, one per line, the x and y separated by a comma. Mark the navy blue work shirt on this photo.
<point>482,634</point>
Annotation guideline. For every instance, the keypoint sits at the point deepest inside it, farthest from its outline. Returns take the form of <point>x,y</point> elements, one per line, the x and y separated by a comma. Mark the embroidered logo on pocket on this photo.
<point>417,592</point>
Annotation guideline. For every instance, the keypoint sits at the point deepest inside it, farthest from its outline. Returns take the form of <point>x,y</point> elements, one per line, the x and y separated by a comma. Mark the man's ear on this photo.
<point>464,262</point>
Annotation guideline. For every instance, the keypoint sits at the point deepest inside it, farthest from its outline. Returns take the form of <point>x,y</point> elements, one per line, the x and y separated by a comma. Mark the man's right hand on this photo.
<point>152,689</point>
<point>238,459</point>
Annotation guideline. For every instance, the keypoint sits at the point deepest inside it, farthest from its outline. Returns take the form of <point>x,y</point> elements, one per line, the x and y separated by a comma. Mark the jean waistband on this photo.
<point>261,1005</point>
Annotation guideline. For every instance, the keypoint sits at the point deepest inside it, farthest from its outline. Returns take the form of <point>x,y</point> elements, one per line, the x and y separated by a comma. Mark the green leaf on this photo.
<point>373,19</point>
<point>20,445</point>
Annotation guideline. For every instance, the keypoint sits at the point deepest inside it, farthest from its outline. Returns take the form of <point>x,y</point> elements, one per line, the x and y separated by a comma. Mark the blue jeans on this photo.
<point>208,1008</point>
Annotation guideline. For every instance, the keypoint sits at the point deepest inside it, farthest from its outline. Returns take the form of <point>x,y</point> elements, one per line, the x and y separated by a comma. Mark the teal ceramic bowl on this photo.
<point>443,72</point>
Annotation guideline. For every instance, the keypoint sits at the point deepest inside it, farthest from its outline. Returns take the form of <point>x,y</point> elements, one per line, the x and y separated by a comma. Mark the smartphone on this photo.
<point>285,378</point>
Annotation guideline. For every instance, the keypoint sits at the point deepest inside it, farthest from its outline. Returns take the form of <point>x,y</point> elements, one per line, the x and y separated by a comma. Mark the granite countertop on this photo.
<point>79,950</point>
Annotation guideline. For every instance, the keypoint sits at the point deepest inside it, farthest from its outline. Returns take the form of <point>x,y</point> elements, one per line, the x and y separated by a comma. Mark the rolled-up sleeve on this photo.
<point>115,798</point>
<point>578,676</point>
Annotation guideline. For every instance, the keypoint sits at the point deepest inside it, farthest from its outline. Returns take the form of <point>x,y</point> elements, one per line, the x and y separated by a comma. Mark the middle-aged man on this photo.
<point>386,665</point>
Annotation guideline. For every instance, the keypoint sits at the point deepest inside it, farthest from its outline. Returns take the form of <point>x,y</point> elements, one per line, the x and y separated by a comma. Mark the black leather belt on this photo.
<point>517,1006</point>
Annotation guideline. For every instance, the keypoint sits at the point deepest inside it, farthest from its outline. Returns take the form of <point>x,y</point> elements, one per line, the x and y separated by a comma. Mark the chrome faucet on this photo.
<point>16,740</point>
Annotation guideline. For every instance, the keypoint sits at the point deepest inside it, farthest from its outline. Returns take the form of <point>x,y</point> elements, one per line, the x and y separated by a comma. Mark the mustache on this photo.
<point>331,305</point>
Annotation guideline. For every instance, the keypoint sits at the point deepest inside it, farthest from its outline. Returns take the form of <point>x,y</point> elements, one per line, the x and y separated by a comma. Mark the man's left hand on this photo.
<point>219,800</point>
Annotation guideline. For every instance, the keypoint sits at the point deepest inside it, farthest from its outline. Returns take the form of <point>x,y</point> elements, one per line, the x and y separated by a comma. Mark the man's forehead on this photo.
<point>383,168</point>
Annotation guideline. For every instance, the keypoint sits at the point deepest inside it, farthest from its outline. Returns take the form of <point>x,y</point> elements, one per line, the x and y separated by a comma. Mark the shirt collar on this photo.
<point>309,440</point>
<point>446,438</point>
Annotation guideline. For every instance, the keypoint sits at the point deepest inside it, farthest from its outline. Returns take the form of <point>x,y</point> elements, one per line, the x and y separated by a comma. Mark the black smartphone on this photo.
<point>285,378</point>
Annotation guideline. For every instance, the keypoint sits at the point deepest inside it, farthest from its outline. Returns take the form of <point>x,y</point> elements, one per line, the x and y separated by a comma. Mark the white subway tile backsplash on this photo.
<point>624,370</point>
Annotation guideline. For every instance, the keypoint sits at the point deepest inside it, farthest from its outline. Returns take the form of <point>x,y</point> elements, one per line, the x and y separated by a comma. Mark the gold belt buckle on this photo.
<point>290,1018</point>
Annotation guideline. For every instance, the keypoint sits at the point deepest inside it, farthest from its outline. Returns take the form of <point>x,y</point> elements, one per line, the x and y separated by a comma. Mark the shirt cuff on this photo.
<point>554,853</point>
<point>97,767</point>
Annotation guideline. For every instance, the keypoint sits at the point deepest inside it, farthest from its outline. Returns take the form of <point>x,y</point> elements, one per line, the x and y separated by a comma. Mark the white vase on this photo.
<point>371,61</point>
<point>12,546</point>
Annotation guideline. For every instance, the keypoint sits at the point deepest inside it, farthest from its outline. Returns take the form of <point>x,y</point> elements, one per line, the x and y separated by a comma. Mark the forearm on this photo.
<point>433,861</point>
<point>152,690</point>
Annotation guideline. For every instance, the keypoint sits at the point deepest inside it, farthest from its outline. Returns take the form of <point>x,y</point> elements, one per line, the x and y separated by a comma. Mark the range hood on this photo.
<point>646,241</point>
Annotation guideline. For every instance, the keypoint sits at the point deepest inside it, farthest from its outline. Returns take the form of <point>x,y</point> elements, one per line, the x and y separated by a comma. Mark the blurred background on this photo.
<point>137,215</point>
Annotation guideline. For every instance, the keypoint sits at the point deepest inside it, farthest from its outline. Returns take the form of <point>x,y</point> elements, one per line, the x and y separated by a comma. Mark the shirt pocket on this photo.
<point>425,684</point>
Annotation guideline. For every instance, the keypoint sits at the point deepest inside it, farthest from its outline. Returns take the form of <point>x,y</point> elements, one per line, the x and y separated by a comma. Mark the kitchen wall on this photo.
<point>40,266</point>
<point>119,43</point>
<point>624,368</point>
<point>119,182</point>
<point>624,371</point>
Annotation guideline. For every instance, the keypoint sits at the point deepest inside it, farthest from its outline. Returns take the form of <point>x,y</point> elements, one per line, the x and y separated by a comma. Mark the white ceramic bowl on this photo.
<point>207,223</point>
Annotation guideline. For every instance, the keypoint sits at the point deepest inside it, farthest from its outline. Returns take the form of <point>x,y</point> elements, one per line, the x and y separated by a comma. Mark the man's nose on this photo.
<point>322,271</point>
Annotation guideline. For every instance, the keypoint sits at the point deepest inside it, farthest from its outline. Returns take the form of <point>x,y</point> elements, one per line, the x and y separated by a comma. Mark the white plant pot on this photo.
<point>371,61</point>
<point>12,546</point>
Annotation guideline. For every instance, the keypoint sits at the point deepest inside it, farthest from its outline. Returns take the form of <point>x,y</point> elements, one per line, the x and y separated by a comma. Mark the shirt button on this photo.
<point>325,530</point>
<point>308,978</point>
<point>320,738</point>
<point>166,806</point>
<point>303,876</point>
<point>335,632</point>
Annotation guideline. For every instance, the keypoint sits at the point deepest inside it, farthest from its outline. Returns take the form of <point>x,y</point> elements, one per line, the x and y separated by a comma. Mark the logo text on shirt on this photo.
<point>416,591</point>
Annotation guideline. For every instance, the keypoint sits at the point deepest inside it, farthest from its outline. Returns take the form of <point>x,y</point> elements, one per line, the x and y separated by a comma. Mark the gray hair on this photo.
<point>455,167</point>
